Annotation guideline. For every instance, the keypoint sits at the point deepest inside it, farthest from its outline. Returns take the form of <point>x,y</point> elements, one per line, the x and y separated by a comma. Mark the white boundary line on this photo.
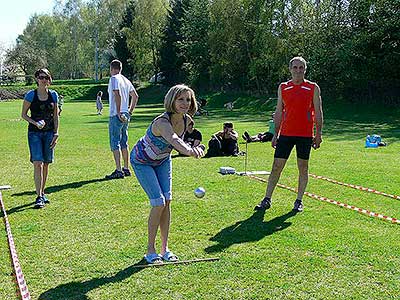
<point>360,210</point>
<point>19,276</point>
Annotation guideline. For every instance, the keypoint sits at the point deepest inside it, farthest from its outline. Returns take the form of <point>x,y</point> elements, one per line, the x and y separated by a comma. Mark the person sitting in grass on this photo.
<point>192,136</point>
<point>262,136</point>
<point>152,164</point>
<point>224,142</point>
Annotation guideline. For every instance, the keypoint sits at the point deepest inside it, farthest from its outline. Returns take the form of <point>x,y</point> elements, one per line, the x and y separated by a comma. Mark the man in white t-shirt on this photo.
<point>120,89</point>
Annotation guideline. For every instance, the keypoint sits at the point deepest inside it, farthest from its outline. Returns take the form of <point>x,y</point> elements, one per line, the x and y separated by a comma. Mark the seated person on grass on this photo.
<point>262,136</point>
<point>192,136</point>
<point>224,142</point>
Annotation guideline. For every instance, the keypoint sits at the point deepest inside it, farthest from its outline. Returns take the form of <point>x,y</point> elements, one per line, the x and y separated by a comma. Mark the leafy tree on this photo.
<point>144,36</point>
<point>195,43</point>
<point>102,19</point>
<point>33,48</point>
<point>27,55</point>
<point>171,56</point>
<point>74,43</point>
<point>352,46</point>
<point>122,52</point>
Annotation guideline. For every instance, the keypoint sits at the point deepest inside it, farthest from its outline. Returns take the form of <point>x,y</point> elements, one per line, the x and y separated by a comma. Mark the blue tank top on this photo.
<point>152,149</point>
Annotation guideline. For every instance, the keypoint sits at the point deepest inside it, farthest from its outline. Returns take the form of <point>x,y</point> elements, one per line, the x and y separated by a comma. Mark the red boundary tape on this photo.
<point>353,186</point>
<point>23,292</point>
<point>360,210</point>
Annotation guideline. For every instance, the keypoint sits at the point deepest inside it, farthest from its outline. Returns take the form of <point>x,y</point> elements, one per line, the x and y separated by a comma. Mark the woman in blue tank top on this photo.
<point>151,161</point>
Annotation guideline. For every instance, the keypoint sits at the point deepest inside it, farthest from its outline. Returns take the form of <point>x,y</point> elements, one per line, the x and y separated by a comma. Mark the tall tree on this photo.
<point>33,48</point>
<point>27,56</point>
<point>171,56</point>
<point>101,19</point>
<point>144,36</point>
<point>122,51</point>
<point>195,44</point>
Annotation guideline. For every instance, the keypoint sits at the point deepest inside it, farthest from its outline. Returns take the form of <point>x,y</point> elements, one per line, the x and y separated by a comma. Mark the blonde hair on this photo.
<point>299,58</point>
<point>174,93</point>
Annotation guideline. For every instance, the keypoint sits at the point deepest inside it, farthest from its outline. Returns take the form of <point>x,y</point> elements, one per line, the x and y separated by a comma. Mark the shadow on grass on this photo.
<point>21,207</point>
<point>57,188</point>
<point>78,290</point>
<point>93,115</point>
<point>49,190</point>
<point>249,230</point>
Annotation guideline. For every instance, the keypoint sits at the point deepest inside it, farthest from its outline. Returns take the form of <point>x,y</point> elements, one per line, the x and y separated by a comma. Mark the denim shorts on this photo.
<point>118,132</point>
<point>39,146</point>
<point>156,181</point>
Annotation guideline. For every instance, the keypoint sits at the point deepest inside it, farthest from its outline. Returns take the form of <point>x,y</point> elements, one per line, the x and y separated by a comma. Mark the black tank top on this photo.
<point>42,110</point>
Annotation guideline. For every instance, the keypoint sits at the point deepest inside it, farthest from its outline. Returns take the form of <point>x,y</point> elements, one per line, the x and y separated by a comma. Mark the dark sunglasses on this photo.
<point>43,77</point>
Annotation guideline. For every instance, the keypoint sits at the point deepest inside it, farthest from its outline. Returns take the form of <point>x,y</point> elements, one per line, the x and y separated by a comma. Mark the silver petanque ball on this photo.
<point>200,192</point>
<point>41,124</point>
<point>124,118</point>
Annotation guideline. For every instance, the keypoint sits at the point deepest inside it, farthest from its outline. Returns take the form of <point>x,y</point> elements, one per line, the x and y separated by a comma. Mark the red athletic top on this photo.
<point>298,109</point>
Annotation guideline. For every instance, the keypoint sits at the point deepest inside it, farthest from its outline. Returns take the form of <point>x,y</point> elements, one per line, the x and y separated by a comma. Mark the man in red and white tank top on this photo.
<point>298,111</point>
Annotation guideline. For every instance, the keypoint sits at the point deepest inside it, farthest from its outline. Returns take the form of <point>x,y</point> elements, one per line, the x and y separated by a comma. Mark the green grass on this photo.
<point>85,243</point>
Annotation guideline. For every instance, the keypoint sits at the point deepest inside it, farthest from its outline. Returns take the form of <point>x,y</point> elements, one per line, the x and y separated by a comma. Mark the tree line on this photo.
<point>352,46</point>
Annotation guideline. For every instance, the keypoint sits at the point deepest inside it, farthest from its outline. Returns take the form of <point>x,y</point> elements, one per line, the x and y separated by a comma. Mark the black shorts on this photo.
<point>286,143</point>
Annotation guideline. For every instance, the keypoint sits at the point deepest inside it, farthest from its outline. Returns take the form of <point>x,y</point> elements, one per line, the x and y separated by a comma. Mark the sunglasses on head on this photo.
<point>43,77</point>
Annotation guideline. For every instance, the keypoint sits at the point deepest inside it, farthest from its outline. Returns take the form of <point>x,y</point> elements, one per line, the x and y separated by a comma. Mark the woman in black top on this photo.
<point>42,130</point>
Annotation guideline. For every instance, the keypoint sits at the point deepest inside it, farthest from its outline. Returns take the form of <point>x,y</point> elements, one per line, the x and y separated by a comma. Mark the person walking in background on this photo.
<point>99,103</point>
<point>152,164</point>
<point>298,109</point>
<point>42,130</point>
<point>60,104</point>
<point>120,89</point>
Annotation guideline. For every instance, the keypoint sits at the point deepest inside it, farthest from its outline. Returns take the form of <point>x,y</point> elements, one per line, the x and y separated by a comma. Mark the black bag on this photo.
<point>214,148</point>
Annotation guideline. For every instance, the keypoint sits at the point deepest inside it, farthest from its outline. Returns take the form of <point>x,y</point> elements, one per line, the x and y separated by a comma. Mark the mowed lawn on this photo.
<point>85,244</point>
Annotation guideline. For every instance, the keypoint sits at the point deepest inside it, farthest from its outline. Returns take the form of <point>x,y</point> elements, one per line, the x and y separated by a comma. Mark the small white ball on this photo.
<point>200,192</point>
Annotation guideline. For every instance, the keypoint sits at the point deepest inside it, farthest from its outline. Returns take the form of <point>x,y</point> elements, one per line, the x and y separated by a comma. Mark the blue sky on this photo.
<point>15,14</point>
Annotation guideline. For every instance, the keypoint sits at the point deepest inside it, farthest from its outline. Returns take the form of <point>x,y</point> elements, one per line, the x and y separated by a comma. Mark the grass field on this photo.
<point>85,244</point>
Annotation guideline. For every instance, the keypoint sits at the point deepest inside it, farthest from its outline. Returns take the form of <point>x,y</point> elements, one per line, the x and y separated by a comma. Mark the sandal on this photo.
<point>169,256</point>
<point>153,258</point>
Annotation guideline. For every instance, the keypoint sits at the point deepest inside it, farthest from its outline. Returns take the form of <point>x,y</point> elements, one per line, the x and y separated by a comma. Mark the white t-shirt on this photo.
<point>124,86</point>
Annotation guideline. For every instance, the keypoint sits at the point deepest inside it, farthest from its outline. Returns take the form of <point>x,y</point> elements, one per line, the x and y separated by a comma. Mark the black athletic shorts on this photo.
<point>286,143</point>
